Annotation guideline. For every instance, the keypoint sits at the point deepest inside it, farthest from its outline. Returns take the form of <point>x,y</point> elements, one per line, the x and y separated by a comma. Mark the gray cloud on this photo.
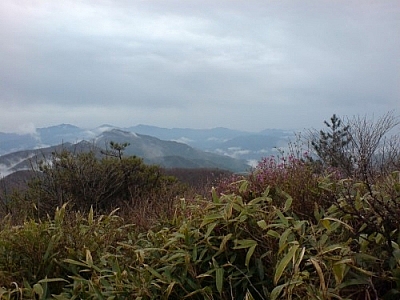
<point>240,64</point>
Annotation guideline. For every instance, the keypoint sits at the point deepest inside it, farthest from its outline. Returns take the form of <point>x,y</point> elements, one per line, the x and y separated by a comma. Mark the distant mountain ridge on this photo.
<point>28,159</point>
<point>246,146</point>
<point>167,154</point>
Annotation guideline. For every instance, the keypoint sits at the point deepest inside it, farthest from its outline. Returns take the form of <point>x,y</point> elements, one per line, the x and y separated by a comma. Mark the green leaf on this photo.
<point>339,270</point>
<point>226,238</point>
<point>194,253</point>
<point>355,281</point>
<point>154,272</point>
<point>330,249</point>
<point>277,291</point>
<point>175,256</point>
<point>89,259</point>
<point>273,233</point>
<point>288,203</point>
<point>49,249</point>
<point>326,223</point>
<point>339,221</point>
<point>396,254</point>
<point>320,274</point>
<point>284,262</point>
<point>299,225</point>
<point>244,184</point>
<point>299,260</point>
<point>248,296</point>
<point>211,218</point>
<point>52,280</point>
<point>228,210</point>
<point>90,216</point>
<point>210,228</point>
<point>169,289</point>
<point>262,224</point>
<point>242,244</point>
<point>38,289</point>
<point>215,197</point>
<point>256,201</point>
<point>75,262</point>
<point>283,239</point>
<point>219,279</point>
<point>282,217</point>
<point>249,255</point>
<point>260,268</point>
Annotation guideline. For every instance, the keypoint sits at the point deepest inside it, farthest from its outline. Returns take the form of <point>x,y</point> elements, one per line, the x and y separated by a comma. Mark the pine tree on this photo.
<point>117,150</point>
<point>330,145</point>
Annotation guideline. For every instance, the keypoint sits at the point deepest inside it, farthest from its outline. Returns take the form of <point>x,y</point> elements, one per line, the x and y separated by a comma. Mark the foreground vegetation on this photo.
<point>296,227</point>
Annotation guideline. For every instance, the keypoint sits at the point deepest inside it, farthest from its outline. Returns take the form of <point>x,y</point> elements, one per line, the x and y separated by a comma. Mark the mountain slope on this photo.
<point>248,146</point>
<point>168,154</point>
<point>28,159</point>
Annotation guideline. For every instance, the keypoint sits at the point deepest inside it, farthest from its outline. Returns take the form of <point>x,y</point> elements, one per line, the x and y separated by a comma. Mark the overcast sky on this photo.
<point>245,64</point>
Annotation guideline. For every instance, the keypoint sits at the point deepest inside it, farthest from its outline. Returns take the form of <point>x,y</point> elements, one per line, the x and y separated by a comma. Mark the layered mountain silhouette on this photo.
<point>222,148</point>
<point>167,154</point>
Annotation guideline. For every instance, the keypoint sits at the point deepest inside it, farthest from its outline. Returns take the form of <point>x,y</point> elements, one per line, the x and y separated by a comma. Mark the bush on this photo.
<point>85,181</point>
<point>294,176</point>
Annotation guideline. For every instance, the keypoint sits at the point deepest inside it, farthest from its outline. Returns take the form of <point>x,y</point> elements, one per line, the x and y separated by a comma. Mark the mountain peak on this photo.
<point>63,126</point>
<point>117,134</point>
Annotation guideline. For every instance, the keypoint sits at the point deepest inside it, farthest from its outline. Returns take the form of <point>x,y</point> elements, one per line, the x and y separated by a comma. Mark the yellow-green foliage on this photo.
<point>36,251</point>
<point>225,247</point>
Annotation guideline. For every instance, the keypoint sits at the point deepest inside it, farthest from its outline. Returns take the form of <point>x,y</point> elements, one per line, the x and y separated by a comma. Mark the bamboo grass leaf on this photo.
<point>75,262</point>
<point>330,249</point>
<point>226,238</point>
<point>283,219</point>
<point>326,223</point>
<point>219,279</point>
<point>299,260</point>
<point>89,259</point>
<point>320,274</point>
<point>46,280</point>
<point>169,289</point>
<point>154,272</point>
<point>262,224</point>
<point>90,216</point>
<point>38,289</point>
<point>277,291</point>
<point>215,196</point>
<point>288,202</point>
<point>284,262</point>
<point>283,240</point>
<point>249,255</point>
<point>228,211</point>
<point>339,271</point>
<point>339,221</point>
<point>244,185</point>
<point>273,233</point>
<point>210,228</point>
<point>211,218</point>
<point>243,244</point>
<point>256,201</point>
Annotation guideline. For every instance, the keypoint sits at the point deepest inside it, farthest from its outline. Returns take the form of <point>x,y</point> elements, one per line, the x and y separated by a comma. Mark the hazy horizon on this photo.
<point>30,129</point>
